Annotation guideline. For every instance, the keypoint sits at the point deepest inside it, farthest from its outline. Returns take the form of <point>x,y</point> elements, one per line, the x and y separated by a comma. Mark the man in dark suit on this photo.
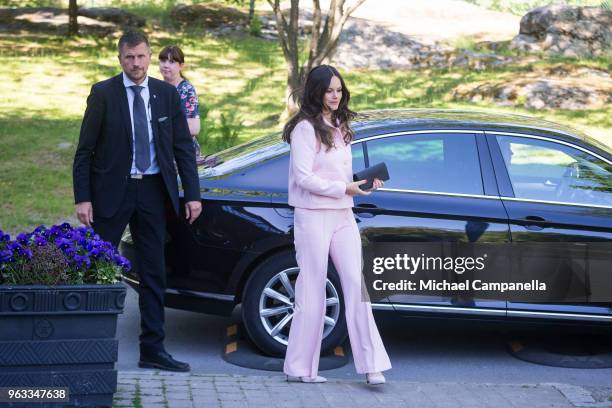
<point>133,132</point>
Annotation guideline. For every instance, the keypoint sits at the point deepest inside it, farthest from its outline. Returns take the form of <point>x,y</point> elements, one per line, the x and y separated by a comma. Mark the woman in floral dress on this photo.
<point>171,64</point>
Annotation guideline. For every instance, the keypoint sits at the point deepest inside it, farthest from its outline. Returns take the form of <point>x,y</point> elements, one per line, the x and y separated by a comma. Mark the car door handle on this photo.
<point>365,214</point>
<point>366,205</point>
<point>535,218</point>
<point>533,223</point>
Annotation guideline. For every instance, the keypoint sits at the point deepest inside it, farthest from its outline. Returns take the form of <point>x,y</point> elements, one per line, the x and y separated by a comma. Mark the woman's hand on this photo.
<point>377,184</point>
<point>353,189</point>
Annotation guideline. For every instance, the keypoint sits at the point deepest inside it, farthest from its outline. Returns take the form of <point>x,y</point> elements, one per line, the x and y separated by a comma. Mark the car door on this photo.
<point>558,195</point>
<point>441,193</point>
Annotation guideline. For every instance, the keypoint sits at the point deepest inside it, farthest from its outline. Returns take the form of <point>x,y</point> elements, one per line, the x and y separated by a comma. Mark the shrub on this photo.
<point>255,26</point>
<point>229,128</point>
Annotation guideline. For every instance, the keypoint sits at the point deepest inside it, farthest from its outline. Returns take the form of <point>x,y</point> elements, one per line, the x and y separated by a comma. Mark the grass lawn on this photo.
<point>46,80</point>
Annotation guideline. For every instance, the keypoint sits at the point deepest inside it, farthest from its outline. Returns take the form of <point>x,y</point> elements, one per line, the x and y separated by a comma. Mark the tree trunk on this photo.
<point>73,24</point>
<point>323,41</point>
<point>293,92</point>
<point>251,10</point>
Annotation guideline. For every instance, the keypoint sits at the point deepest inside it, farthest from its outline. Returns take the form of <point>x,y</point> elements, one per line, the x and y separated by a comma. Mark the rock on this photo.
<point>50,20</point>
<point>539,19</point>
<point>524,42</point>
<point>597,14</point>
<point>477,61</point>
<point>577,48</point>
<point>587,30</point>
<point>493,45</point>
<point>364,44</point>
<point>269,30</point>
<point>271,37</point>
<point>557,87</point>
<point>557,95</point>
<point>551,40</point>
<point>562,27</point>
<point>113,15</point>
<point>566,30</point>
<point>597,50</point>
<point>207,16</point>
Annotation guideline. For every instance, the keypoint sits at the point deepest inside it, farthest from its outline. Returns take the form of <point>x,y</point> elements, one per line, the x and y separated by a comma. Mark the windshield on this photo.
<point>598,144</point>
<point>245,154</point>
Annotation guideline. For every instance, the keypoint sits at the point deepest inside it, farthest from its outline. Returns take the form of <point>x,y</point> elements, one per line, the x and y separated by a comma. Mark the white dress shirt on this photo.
<point>127,82</point>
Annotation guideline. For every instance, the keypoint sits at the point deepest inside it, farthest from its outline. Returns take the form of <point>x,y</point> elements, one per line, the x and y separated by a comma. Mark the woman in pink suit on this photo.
<point>321,191</point>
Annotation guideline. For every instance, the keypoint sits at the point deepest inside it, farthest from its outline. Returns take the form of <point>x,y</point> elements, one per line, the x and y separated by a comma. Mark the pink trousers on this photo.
<point>318,234</point>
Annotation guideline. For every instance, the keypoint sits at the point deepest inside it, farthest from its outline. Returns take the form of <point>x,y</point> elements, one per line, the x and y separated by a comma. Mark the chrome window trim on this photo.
<point>528,200</point>
<point>417,132</point>
<point>563,142</point>
<point>206,295</point>
<point>492,312</point>
<point>382,306</point>
<point>559,315</point>
<point>440,193</point>
<point>549,139</point>
<point>435,309</point>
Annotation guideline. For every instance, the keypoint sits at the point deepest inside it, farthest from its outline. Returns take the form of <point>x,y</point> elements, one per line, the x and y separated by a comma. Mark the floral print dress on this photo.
<point>189,105</point>
<point>189,99</point>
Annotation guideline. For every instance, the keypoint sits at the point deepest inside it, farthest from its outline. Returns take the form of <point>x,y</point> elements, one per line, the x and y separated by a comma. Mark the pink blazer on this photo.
<point>317,176</point>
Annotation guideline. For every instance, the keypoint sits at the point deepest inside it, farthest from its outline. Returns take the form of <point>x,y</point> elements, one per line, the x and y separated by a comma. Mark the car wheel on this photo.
<point>267,307</point>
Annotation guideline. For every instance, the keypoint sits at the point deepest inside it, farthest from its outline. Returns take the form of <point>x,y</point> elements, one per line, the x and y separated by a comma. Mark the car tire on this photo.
<point>267,279</point>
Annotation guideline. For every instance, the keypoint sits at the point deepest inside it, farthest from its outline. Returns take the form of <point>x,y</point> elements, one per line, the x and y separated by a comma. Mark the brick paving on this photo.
<point>155,389</point>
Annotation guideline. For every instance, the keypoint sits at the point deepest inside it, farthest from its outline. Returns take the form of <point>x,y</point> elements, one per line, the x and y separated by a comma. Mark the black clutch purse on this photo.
<point>378,171</point>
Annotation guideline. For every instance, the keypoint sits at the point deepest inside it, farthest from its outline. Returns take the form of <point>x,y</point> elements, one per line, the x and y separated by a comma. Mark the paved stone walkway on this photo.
<point>151,389</point>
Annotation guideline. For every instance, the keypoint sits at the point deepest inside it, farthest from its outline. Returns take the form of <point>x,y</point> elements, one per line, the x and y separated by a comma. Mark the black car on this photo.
<point>516,178</point>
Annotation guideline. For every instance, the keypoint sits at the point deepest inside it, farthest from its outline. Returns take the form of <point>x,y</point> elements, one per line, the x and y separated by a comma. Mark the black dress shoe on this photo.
<point>163,361</point>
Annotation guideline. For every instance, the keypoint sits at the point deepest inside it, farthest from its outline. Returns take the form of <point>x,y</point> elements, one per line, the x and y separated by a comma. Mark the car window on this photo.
<point>429,162</point>
<point>544,170</point>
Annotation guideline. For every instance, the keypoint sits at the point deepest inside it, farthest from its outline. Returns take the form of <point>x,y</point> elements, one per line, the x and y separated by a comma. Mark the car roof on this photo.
<point>367,122</point>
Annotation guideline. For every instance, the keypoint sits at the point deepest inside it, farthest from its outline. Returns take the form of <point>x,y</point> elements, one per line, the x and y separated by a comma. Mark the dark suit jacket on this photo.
<point>103,158</point>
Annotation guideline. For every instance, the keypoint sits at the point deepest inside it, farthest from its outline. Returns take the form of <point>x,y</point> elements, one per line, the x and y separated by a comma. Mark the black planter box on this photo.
<point>61,336</point>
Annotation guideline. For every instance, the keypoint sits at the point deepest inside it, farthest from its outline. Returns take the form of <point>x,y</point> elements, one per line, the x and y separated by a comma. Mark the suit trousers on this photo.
<point>320,233</point>
<point>143,208</point>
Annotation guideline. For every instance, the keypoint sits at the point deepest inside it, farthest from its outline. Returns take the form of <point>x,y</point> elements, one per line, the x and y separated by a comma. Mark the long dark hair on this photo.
<point>173,53</point>
<point>311,107</point>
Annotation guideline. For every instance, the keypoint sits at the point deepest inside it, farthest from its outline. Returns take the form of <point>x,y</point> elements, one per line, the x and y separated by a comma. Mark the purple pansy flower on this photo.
<point>23,238</point>
<point>40,240</point>
<point>4,237</point>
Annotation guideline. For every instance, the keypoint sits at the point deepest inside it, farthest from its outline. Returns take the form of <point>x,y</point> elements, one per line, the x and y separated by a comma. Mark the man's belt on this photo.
<point>143,176</point>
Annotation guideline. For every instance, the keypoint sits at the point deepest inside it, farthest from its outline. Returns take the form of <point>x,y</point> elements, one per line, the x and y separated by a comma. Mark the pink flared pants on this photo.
<point>318,234</point>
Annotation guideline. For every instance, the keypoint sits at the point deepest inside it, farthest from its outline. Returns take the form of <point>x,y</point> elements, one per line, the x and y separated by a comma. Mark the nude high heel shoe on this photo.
<point>312,380</point>
<point>375,379</point>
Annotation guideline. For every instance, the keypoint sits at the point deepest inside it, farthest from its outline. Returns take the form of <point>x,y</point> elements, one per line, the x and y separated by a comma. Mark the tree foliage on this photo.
<point>322,42</point>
